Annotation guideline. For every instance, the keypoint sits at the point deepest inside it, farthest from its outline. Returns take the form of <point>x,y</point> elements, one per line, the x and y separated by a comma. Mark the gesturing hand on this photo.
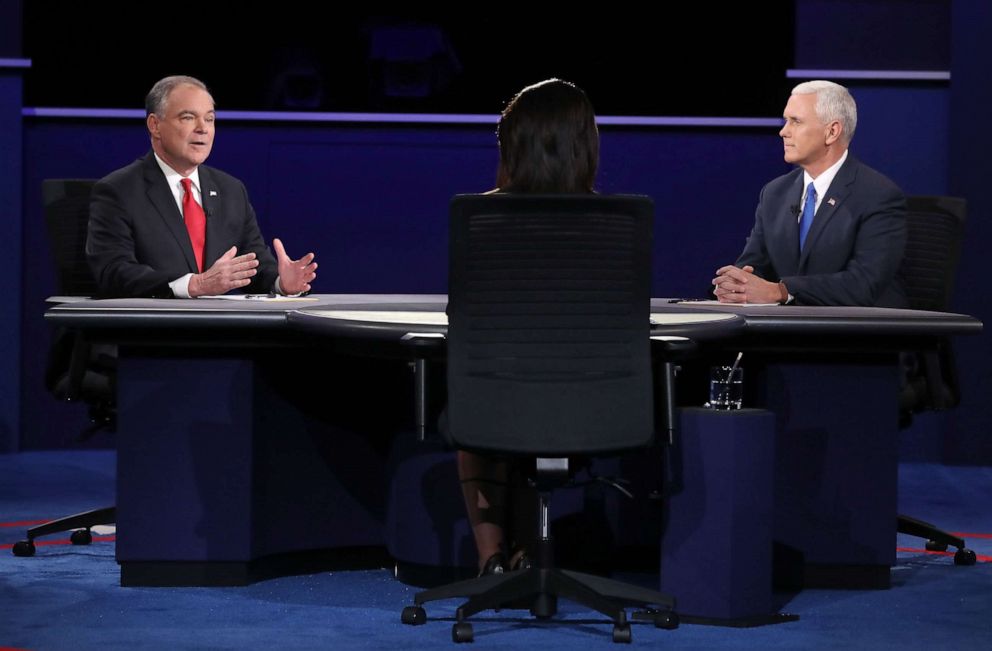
<point>295,276</point>
<point>229,272</point>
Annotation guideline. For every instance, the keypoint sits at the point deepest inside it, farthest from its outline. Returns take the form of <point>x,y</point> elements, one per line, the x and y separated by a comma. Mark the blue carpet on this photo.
<point>68,597</point>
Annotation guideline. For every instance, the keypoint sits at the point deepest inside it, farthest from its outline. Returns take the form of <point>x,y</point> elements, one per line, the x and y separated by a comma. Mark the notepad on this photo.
<point>261,297</point>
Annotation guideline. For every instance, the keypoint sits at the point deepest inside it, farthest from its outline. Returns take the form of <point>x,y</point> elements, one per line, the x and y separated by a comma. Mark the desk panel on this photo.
<point>288,454</point>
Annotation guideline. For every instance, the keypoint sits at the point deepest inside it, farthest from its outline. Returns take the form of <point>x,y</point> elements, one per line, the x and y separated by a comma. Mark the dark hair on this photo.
<point>157,96</point>
<point>548,141</point>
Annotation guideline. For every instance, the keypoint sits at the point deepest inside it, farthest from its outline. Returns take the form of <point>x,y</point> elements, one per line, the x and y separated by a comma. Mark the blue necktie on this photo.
<point>806,220</point>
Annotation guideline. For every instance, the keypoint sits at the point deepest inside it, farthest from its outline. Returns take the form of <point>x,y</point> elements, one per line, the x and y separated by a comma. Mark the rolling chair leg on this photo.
<point>81,522</point>
<point>937,539</point>
<point>540,586</point>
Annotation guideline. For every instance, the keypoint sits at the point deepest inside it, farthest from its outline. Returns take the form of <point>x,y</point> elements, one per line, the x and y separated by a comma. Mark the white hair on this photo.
<point>833,102</point>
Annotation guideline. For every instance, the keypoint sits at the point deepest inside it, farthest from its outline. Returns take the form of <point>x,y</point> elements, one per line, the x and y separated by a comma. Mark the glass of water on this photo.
<point>726,387</point>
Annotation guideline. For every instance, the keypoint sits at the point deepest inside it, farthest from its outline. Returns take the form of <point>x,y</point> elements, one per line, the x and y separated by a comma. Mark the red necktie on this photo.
<point>196,222</point>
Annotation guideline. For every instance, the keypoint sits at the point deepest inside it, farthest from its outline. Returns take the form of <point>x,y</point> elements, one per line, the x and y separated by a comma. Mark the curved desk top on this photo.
<point>234,312</point>
<point>429,320</point>
<point>391,316</point>
<point>814,320</point>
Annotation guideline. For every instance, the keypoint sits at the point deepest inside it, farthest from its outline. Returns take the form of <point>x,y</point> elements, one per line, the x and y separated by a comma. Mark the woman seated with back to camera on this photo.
<point>548,143</point>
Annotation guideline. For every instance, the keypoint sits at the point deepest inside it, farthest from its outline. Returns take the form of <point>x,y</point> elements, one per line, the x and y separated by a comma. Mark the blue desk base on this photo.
<point>716,550</point>
<point>231,457</point>
<point>227,460</point>
<point>836,449</point>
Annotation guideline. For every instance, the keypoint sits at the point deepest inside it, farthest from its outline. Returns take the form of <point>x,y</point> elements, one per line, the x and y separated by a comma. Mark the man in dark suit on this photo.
<point>832,231</point>
<point>167,225</point>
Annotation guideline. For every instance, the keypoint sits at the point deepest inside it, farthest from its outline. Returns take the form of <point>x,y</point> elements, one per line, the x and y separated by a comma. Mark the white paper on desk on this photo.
<point>259,297</point>
<point>386,316</point>
<point>691,316</point>
<point>715,302</point>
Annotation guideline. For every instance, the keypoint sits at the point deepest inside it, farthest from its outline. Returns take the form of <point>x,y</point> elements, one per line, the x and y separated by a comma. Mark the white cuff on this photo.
<point>279,290</point>
<point>180,286</point>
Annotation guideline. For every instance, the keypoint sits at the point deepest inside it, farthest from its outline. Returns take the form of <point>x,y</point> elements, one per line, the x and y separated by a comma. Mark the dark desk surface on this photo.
<point>390,316</point>
<point>236,313</point>
<point>878,321</point>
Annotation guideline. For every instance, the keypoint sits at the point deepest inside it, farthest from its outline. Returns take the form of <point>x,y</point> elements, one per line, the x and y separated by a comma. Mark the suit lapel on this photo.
<point>162,199</point>
<point>838,191</point>
<point>790,226</point>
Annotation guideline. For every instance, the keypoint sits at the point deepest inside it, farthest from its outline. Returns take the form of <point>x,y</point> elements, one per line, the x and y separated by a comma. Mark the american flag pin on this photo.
<point>213,193</point>
<point>831,200</point>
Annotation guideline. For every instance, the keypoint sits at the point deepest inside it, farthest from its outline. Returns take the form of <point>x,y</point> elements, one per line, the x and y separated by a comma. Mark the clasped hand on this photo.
<point>740,285</point>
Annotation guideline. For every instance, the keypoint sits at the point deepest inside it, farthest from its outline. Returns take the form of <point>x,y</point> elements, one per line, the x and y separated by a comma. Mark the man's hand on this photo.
<point>229,272</point>
<point>295,276</point>
<point>740,285</point>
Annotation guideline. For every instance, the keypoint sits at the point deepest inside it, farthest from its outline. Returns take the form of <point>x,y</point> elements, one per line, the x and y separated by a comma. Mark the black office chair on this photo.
<point>549,358</point>
<point>936,228</point>
<point>77,370</point>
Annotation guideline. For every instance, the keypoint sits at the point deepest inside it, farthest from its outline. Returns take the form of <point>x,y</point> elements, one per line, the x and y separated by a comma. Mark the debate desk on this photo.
<point>250,430</point>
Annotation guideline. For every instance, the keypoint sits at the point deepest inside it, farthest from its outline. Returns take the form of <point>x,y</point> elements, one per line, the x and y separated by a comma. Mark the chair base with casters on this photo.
<point>539,587</point>
<point>78,370</point>
<point>548,357</point>
<point>89,378</point>
<point>79,524</point>
<point>937,539</point>
<point>935,229</point>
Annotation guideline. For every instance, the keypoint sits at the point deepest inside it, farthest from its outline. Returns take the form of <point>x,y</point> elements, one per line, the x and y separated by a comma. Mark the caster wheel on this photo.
<point>462,632</point>
<point>23,548</point>
<point>413,615</point>
<point>621,633</point>
<point>934,546</point>
<point>668,621</point>
<point>81,537</point>
<point>964,557</point>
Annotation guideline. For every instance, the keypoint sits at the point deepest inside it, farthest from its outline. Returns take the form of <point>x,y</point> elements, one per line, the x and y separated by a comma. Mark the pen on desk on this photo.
<point>687,300</point>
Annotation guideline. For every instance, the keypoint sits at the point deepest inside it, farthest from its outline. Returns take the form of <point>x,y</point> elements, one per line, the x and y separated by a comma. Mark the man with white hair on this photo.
<point>832,231</point>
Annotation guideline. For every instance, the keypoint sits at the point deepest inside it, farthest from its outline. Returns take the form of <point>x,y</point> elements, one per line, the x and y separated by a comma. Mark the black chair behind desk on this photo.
<point>936,229</point>
<point>549,358</point>
<point>77,370</point>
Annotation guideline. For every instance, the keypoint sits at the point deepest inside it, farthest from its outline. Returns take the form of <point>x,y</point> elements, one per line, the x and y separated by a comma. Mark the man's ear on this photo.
<point>152,122</point>
<point>834,131</point>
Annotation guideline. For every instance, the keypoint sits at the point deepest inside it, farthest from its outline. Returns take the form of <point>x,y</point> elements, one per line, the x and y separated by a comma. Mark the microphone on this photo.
<point>794,209</point>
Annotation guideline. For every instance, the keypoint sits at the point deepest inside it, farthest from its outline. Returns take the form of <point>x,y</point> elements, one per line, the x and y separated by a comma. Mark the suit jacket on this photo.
<point>137,242</point>
<point>854,247</point>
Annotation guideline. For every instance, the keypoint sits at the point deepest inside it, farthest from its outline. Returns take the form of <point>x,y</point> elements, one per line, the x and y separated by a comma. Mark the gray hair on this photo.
<point>157,96</point>
<point>833,102</point>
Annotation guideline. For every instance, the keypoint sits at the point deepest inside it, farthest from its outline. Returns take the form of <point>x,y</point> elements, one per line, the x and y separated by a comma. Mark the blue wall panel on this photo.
<point>874,34</point>
<point>903,132</point>
<point>10,257</point>
<point>969,439</point>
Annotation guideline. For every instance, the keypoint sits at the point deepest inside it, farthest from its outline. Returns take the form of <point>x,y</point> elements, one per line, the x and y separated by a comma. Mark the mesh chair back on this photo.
<point>549,308</point>
<point>67,213</point>
<point>936,228</point>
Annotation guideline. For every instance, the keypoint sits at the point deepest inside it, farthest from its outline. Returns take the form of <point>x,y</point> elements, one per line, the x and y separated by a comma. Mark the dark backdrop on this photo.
<point>688,59</point>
